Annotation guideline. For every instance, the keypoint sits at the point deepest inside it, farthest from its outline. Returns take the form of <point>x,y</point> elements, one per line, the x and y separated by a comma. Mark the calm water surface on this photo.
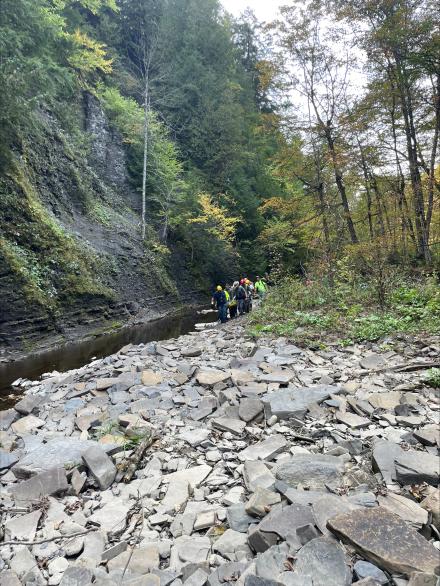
<point>75,355</point>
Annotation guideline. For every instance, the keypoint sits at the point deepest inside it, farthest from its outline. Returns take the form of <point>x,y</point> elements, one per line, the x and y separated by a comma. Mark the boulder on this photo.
<point>385,539</point>
<point>26,405</point>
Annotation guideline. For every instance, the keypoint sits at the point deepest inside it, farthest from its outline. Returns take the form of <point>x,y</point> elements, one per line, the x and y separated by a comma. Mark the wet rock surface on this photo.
<point>211,459</point>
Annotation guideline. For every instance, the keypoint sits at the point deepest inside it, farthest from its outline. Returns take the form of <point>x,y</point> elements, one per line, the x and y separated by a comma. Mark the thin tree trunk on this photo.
<point>341,186</point>
<point>367,189</point>
<point>433,157</point>
<point>411,143</point>
<point>144,170</point>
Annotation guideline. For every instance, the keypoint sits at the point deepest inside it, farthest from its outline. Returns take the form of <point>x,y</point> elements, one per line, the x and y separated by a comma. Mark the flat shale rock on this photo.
<point>289,402</point>
<point>7,418</point>
<point>26,425</point>
<point>372,361</point>
<point>150,378</point>
<point>416,467</point>
<point>57,452</point>
<point>329,506</point>
<point>209,377</point>
<point>48,483</point>
<point>22,527</point>
<point>323,561</point>
<point>407,509</point>
<point>312,471</point>
<point>8,459</point>
<point>352,420</point>
<point>101,467</point>
<point>383,458</point>
<point>235,426</point>
<point>265,450</point>
<point>386,540</point>
<point>249,409</point>
<point>285,521</point>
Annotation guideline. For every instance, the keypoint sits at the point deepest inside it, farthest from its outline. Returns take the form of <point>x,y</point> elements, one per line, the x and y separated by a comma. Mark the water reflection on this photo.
<point>76,355</point>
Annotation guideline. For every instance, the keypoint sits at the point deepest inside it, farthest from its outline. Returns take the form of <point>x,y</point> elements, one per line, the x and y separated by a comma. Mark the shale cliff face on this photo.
<point>70,249</point>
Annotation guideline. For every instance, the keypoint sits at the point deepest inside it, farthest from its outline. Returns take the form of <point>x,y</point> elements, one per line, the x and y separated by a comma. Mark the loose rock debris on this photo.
<point>211,459</point>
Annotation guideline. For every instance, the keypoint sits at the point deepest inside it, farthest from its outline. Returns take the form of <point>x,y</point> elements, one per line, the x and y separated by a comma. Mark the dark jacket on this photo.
<point>219,298</point>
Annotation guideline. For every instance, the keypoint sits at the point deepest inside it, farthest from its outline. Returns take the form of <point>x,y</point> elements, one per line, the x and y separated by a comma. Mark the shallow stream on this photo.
<point>75,355</point>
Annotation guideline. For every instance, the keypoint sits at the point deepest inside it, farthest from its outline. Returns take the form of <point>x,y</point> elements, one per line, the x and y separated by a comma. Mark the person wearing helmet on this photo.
<point>241,296</point>
<point>260,288</point>
<point>233,305</point>
<point>221,303</point>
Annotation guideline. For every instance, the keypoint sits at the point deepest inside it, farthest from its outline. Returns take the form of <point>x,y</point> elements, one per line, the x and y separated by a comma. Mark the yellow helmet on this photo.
<point>219,288</point>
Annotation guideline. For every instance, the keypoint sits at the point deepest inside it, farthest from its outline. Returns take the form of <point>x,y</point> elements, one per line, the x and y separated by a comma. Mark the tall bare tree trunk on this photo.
<point>341,186</point>
<point>144,169</point>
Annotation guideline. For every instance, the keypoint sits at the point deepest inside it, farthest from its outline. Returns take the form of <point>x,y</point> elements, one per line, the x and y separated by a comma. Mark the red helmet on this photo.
<point>242,282</point>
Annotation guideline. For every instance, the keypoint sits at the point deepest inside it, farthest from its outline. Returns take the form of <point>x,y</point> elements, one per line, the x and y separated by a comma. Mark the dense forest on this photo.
<point>152,146</point>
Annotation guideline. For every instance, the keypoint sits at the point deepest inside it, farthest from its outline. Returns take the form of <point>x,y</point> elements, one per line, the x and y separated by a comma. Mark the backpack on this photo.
<point>241,293</point>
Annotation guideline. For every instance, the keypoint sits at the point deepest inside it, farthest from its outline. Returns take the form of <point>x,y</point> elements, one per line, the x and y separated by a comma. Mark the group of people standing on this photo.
<point>237,298</point>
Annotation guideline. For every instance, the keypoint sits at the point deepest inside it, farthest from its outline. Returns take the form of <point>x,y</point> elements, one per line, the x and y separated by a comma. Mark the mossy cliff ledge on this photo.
<point>71,256</point>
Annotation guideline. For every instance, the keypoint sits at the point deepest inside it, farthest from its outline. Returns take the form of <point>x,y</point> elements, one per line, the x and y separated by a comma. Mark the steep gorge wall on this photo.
<point>71,257</point>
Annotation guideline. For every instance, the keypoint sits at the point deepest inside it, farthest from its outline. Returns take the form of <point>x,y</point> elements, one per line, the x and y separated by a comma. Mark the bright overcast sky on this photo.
<point>264,9</point>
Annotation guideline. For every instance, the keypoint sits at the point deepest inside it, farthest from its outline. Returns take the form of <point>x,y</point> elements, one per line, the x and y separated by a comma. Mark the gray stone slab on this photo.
<point>22,527</point>
<point>100,466</point>
<point>329,506</point>
<point>300,497</point>
<point>76,576</point>
<point>264,450</point>
<point>26,405</point>
<point>386,540</point>
<point>7,417</point>
<point>8,459</point>
<point>235,426</point>
<point>323,560</point>
<point>416,467</point>
<point>289,402</point>
<point>313,471</point>
<point>238,518</point>
<point>49,483</point>
<point>366,570</point>
<point>383,459</point>
<point>284,521</point>
<point>249,409</point>
<point>56,452</point>
<point>271,563</point>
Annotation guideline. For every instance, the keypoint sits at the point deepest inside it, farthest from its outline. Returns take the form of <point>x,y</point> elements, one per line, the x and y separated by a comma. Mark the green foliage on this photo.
<point>309,312</point>
<point>49,264</point>
<point>433,377</point>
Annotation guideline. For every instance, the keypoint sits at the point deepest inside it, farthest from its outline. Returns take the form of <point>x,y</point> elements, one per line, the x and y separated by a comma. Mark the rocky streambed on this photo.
<point>211,459</point>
